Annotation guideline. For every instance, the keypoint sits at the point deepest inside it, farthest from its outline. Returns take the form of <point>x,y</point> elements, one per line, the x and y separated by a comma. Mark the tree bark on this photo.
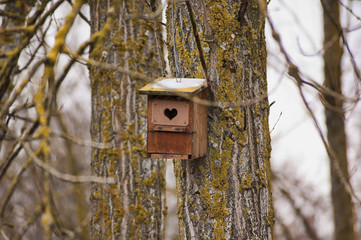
<point>336,136</point>
<point>134,207</point>
<point>226,195</point>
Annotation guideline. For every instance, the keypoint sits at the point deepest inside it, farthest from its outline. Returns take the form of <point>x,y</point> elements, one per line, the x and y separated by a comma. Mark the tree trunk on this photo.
<point>226,195</point>
<point>134,207</point>
<point>336,136</point>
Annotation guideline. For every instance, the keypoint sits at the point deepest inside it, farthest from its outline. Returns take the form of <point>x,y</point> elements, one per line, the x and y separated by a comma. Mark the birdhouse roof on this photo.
<point>173,86</point>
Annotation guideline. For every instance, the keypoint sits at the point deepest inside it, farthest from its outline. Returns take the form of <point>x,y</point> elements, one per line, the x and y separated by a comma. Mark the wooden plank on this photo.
<point>171,128</point>
<point>168,128</point>
<point>170,143</point>
<point>170,112</point>
<point>204,128</point>
<point>169,156</point>
<point>200,128</point>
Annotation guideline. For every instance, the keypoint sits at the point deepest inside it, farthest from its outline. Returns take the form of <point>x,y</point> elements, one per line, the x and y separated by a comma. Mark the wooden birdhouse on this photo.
<point>177,122</point>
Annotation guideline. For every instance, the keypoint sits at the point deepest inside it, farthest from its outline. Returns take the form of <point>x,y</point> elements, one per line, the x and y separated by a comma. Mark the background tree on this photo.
<point>308,84</point>
<point>226,195</point>
<point>130,201</point>
<point>129,39</point>
<point>335,122</point>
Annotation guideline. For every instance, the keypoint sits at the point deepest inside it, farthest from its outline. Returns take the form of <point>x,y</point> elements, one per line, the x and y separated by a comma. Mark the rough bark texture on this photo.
<point>134,208</point>
<point>226,195</point>
<point>336,136</point>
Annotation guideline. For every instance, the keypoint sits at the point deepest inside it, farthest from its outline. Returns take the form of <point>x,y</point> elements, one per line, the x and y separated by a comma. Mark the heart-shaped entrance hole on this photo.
<point>170,113</point>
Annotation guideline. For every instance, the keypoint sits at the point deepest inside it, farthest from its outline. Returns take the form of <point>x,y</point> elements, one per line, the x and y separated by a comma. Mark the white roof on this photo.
<point>167,86</point>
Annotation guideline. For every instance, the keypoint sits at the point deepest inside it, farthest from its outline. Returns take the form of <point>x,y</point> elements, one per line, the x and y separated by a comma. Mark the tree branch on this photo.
<point>200,51</point>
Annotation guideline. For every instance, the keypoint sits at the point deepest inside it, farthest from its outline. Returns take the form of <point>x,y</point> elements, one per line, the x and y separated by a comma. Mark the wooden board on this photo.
<point>170,112</point>
<point>170,143</point>
<point>200,128</point>
<point>169,156</point>
<point>152,126</point>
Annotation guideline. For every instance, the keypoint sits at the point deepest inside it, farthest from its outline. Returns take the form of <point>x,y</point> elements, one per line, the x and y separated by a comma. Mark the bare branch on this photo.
<point>82,142</point>
<point>14,181</point>
<point>279,117</point>
<point>11,15</point>
<point>108,66</point>
<point>309,229</point>
<point>349,10</point>
<point>65,176</point>
<point>200,50</point>
<point>12,58</point>
<point>31,220</point>
<point>294,72</point>
<point>16,150</point>
<point>22,85</point>
<point>82,15</point>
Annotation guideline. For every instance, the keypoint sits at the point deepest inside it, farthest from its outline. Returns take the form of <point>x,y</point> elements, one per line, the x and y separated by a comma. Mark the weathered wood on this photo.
<point>170,156</point>
<point>173,128</point>
<point>170,113</point>
<point>200,127</point>
<point>183,134</point>
<point>170,143</point>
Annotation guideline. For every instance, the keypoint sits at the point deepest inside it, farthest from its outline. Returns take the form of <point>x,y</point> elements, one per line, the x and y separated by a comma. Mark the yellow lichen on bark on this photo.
<point>214,191</point>
<point>137,209</point>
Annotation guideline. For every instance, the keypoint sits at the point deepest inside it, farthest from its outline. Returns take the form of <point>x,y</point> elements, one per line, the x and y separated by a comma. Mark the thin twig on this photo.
<point>16,150</point>
<point>308,227</point>
<point>279,117</point>
<point>82,142</point>
<point>294,72</point>
<point>108,66</point>
<point>200,51</point>
<point>65,176</point>
<point>31,220</point>
<point>14,182</point>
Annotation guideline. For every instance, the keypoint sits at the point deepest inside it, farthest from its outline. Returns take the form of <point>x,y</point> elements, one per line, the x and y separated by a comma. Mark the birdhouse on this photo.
<point>177,120</point>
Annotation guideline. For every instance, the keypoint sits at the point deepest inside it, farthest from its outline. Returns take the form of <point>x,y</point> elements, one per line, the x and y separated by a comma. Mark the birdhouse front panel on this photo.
<point>177,125</point>
<point>172,115</point>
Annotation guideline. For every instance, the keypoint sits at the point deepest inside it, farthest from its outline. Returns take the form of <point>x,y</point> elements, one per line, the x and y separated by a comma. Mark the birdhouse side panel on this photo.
<point>200,112</point>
